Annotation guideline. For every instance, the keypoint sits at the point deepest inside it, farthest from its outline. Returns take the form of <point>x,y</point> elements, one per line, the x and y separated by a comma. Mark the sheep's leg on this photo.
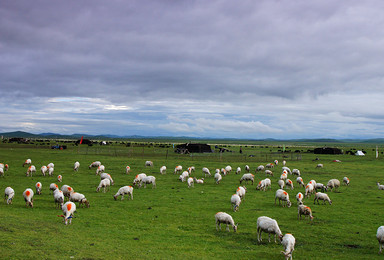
<point>227,228</point>
<point>122,196</point>
<point>269,237</point>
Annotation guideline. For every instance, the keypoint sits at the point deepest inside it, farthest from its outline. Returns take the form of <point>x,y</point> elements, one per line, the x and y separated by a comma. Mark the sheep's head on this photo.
<point>115,197</point>
<point>235,227</point>
<point>289,204</point>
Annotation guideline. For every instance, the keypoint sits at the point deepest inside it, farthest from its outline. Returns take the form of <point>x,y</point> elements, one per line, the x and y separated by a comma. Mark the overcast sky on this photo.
<point>237,69</point>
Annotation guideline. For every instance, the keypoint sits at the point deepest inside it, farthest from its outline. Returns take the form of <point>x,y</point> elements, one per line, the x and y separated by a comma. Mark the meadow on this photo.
<point>174,221</point>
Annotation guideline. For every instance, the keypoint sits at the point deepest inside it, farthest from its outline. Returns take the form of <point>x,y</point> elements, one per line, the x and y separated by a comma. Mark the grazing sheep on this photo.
<point>283,176</point>
<point>27,162</point>
<point>59,178</point>
<point>260,168</point>
<point>380,238</point>
<point>76,166</point>
<point>191,169</point>
<point>190,182</point>
<point>67,190</point>
<point>235,202</point>
<point>304,210</point>
<point>38,187</point>
<point>276,162</point>
<point>43,170</point>
<point>268,172</point>
<point>9,194</point>
<point>105,184</point>
<point>148,164</point>
<point>1,172</point>
<point>247,169</point>
<point>346,181</point>
<point>3,166</point>
<point>53,187</point>
<point>127,169</point>
<point>163,170</point>
<point>268,225</point>
<point>178,169</point>
<point>299,197</point>
<point>138,178</point>
<point>124,191</point>
<point>309,190</point>
<point>247,177</point>
<point>286,169</point>
<point>269,165</point>
<point>264,184</point>
<point>241,190</point>
<point>105,175</point>
<point>320,186</point>
<point>284,163</point>
<point>223,171</point>
<point>58,197</point>
<point>100,169</point>
<point>222,217</point>
<point>289,183</point>
<point>94,164</point>
<point>313,182</point>
<point>322,196</point>
<point>228,169</point>
<point>199,181</point>
<point>288,242</point>
<point>333,184</point>
<point>380,186</point>
<point>296,172</point>
<point>218,178</point>
<point>281,184</point>
<point>28,197</point>
<point>148,180</point>
<point>51,165</point>
<point>31,170</point>
<point>282,195</point>
<point>206,172</point>
<point>184,176</point>
<point>50,170</point>
<point>68,209</point>
<point>78,197</point>
<point>238,170</point>
<point>320,165</point>
<point>300,181</point>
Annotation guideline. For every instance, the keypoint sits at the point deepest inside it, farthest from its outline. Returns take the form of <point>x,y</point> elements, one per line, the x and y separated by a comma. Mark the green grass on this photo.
<point>172,221</point>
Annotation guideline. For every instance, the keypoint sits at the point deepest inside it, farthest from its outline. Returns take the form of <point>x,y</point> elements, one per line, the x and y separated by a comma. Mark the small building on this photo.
<point>193,148</point>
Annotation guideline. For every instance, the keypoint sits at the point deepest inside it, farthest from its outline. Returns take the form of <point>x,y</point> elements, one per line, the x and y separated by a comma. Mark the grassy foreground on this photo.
<point>172,221</point>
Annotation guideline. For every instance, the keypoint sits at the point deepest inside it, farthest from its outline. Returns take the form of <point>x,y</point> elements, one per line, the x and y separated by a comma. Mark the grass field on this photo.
<point>172,221</point>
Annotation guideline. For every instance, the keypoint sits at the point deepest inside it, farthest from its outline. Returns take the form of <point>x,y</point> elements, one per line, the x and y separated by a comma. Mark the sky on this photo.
<point>220,69</point>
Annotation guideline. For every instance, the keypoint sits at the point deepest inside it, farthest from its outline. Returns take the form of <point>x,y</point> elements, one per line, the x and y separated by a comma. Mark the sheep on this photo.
<point>127,169</point>
<point>380,186</point>
<point>308,190</point>
<point>5,167</point>
<point>282,195</point>
<point>283,176</point>
<point>68,209</point>
<point>50,170</point>
<point>222,217</point>
<point>223,171</point>
<point>286,169</point>
<point>268,225</point>
<point>346,181</point>
<point>9,194</point>
<point>235,202</point>
<point>320,186</point>
<point>148,164</point>
<point>100,169</point>
<point>289,183</point>
<point>105,184</point>
<point>59,178</point>
<point>284,163</point>
<point>53,187</point>
<point>218,178</point>
<point>94,164</point>
<point>288,242</point>
<point>31,170</point>
<point>58,197</point>
<point>299,198</point>
<point>163,170</point>
<point>206,172</point>
<point>199,181</point>
<point>148,180</point>
<point>322,196</point>
<point>281,184</point>
<point>241,190</point>
<point>268,172</point>
<point>191,169</point>
<point>27,162</point>
<point>1,172</point>
<point>264,184</point>
<point>124,191</point>
<point>276,162</point>
<point>296,172</point>
<point>304,210</point>
<point>269,165</point>
<point>76,166</point>
<point>320,165</point>
<point>138,178</point>
<point>333,184</point>
<point>313,182</point>
<point>300,181</point>
<point>28,197</point>
<point>183,177</point>
<point>246,168</point>
<point>38,186</point>
<point>190,182</point>
<point>67,190</point>
<point>228,169</point>
<point>43,170</point>
<point>51,165</point>
<point>78,197</point>
<point>260,168</point>
<point>247,177</point>
<point>238,170</point>
<point>105,175</point>
<point>380,238</point>
<point>178,169</point>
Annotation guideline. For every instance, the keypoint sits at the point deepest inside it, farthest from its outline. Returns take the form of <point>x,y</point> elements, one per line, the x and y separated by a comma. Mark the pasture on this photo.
<point>174,221</point>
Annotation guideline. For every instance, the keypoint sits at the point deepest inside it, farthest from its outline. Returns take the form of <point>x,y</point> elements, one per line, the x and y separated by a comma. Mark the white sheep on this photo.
<point>94,164</point>
<point>228,169</point>
<point>322,196</point>
<point>296,172</point>
<point>286,169</point>
<point>1,172</point>
<point>247,177</point>
<point>50,170</point>
<point>78,197</point>
<point>124,191</point>
<point>138,178</point>
<point>31,170</point>
<point>380,238</point>
<point>58,197</point>
<point>127,169</point>
<point>184,176</point>
<point>247,169</point>
<point>304,210</point>
<point>59,178</point>
<point>346,181</point>
<point>76,166</point>
<point>178,169</point>
<point>284,176</point>
<point>148,180</point>
<point>300,181</point>
<point>9,194</point>
<point>313,182</point>
<point>148,164</point>
<point>105,184</point>
<point>380,186</point>
<point>299,198</point>
<point>268,172</point>
<point>276,162</point>
<point>27,162</point>
<point>238,170</point>
<point>105,175</point>
<point>67,190</point>
<point>282,195</point>
<point>163,169</point>
<point>281,184</point>
<point>289,183</point>
<point>190,182</point>
<point>333,184</point>
<point>28,197</point>
<point>235,202</point>
<point>53,187</point>
<point>43,170</point>
<point>191,169</point>
<point>260,168</point>
<point>3,166</point>
<point>320,165</point>
<point>268,225</point>
<point>222,217</point>
<point>284,163</point>
<point>241,190</point>
<point>68,209</point>
<point>100,169</point>
<point>51,165</point>
<point>38,187</point>
<point>264,184</point>
<point>269,165</point>
<point>309,190</point>
<point>288,242</point>
<point>223,171</point>
<point>320,186</point>
<point>218,178</point>
<point>199,181</point>
<point>206,172</point>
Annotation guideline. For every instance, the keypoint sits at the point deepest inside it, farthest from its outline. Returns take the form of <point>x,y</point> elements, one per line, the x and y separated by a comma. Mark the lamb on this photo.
<point>283,176</point>
<point>268,225</point>
<point>58,197</point>
<point>53,187</point>
<point>218,178</point>
<point>247,169</point>
<point>76,166</point>
<point>320,186</point>
<point>289,183</point>
<point>43,170</point>
<point>38,188</point>
<point>222,217</point>
<point>67,190</point>
<point>191,169</point>
<point>27,162</point>
<point>300,181</point>
<point>346,181</point>
<point>59,178</point>
<point>288,242</point>
<point>260,168</point>
<point>105,175</point>
<point>322,196</point>
<point>127,169</point>
<point>68,209</point>
<point>308,190</point>
<point>124,191</point>
<point>148,164</point>
<point>313,182</point>
<point>269,165</point>
<point>28,197</point>
<point>163,170</point>
<point>138,178</point>
<point>247,177</point>
<point>31,170</point>
<point>238,170</point>
<point>241,190</point>
<point>78,197</point>
<point>320,165</point>
<point>299,197</point>
<point>380,238</point>
<point>148,180</point>
<point>282,195</point>
<point>296,172</point>
<point>304,210</point>
<point>281,184</point>
<point>380,186</point>
<point>105,184</point>
<point>228,169</point>
<point>94,164</point>
<point>268,172</point>
<point>183,177</point>
<point>199,181</point>
<point>50,170</point>
<point>100,169</point>
<point>264,184</point>
<point>178,169</point>
<point>9,194</point>
<point>190,182</point>
<point>333,184</point>
<point>235,202</point>
<point>206,172</point>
